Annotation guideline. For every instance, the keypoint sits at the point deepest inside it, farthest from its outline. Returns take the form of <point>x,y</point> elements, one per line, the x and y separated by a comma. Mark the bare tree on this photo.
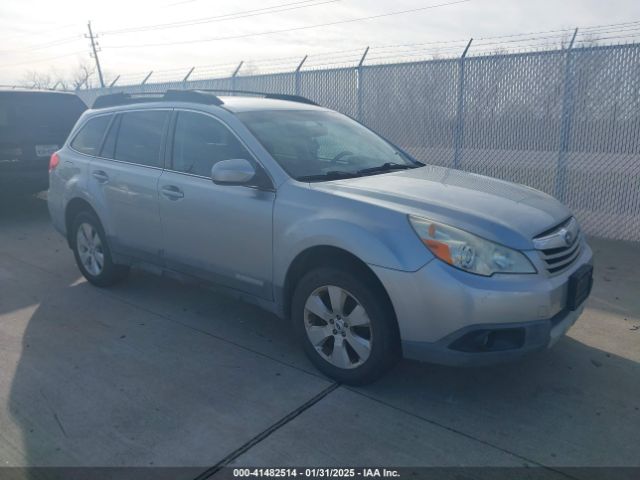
<point>38,80</point>
<point>82,77</point>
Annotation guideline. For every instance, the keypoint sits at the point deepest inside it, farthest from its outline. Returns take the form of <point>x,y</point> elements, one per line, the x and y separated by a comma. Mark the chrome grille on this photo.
<point>560,246</point>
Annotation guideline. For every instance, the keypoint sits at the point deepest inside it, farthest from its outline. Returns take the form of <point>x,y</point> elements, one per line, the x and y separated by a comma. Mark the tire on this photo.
<point>90,248</point>
<point>336,339</point>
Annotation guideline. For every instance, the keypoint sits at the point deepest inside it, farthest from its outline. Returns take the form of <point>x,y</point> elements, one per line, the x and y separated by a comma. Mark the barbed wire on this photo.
<point>399,52</point>
<point>443,47</point>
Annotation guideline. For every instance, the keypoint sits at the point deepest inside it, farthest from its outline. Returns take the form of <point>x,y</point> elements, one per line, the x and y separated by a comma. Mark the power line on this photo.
<point>307,27</point>
<point>42,46</point>
<point>478,41</point>
<point>582,31</point>
<point>40,32</point>
<point>219,18</point>
<point>446,47</point>
<point>28,62</point>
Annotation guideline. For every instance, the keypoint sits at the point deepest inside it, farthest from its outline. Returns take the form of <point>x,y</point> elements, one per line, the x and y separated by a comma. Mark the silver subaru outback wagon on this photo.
<point>370,254</point>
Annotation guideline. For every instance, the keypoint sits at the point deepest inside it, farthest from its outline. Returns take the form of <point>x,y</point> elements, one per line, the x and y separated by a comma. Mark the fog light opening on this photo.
<point>496,340</point>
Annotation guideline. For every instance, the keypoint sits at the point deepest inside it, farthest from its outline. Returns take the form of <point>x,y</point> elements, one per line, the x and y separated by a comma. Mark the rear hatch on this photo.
<point>33,125</point>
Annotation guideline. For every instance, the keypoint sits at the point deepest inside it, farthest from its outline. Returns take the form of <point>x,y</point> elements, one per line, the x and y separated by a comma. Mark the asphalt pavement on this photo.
<point>154,372</point>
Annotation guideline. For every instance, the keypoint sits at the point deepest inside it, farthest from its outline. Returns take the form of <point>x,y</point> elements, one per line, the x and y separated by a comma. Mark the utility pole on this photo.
<point>95,53</point>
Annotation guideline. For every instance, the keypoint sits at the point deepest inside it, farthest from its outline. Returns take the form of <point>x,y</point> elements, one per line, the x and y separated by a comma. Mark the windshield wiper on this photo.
<point>386,167</point>
<point>330,175</point>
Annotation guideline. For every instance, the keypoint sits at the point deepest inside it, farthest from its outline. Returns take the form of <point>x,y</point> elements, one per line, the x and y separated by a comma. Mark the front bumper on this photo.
<point>443,312</point>
<point>536,336</point>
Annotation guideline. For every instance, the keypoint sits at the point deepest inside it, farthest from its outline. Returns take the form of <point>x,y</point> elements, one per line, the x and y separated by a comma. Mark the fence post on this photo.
<point>359,84</point>
<point>114,81</point>
<point>298,74</point>
<point>235,72</point>
<point>565,122</point>
<point>458,138</point>
<point>186,77</point>
<point>146,78</point>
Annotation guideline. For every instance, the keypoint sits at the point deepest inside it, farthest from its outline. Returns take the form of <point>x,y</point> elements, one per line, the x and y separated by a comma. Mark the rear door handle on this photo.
<point>172,192</point>
<point>100,176</point>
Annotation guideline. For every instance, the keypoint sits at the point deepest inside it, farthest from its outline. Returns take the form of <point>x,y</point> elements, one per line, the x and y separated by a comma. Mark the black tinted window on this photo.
<point>89,139</point>
<point>140,137</point>
<point>200,141</point>
<point>30,115</point>
<point>109,145</point>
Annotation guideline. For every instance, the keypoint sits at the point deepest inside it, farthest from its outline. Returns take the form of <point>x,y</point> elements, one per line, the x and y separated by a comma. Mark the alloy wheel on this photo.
<point>338,327</point>
<point>90,249</point>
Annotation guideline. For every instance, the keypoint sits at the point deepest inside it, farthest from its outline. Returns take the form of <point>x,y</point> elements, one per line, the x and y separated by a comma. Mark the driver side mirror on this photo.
<point>236,171</point>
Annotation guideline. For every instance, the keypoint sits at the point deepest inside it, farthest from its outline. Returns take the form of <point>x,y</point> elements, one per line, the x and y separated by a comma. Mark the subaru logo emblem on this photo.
<point>568,237</point>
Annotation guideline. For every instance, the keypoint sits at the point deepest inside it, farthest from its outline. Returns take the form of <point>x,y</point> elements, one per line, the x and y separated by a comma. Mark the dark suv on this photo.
<point>33,125</point>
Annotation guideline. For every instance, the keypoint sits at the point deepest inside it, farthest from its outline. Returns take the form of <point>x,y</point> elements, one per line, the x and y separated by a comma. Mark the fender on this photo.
<point>375,241</point>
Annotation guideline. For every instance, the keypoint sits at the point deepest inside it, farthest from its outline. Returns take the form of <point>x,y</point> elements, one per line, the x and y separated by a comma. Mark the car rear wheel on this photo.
<point>92,252</point>
<point>345,324</point>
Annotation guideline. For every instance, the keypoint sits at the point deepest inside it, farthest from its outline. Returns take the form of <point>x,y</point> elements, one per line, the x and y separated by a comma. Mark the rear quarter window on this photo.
<point>89,138</point>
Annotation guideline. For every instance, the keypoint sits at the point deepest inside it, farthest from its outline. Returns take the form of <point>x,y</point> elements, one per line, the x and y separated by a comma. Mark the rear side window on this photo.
<point>200,142</point>
<point>89,138</point>
<point>140,137</point>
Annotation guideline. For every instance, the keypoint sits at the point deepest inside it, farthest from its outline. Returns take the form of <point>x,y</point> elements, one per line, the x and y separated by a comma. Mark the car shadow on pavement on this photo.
<point>97,384</point>
<point>154,372</point>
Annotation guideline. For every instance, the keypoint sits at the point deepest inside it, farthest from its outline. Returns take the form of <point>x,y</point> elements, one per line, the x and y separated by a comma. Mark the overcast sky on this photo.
<point>33,32</point>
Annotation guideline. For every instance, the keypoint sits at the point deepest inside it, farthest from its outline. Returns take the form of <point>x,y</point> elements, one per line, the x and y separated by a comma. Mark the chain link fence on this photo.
<point>564,121</point>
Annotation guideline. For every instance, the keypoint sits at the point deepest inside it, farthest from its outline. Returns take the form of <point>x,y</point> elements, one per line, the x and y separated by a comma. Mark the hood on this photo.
<point>504,212</point>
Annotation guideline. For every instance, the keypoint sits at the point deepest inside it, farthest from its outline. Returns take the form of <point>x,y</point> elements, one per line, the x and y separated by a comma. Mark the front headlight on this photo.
<point>467,251</point>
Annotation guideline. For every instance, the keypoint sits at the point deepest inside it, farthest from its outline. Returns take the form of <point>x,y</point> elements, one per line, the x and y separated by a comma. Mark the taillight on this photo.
<point>54,161</point>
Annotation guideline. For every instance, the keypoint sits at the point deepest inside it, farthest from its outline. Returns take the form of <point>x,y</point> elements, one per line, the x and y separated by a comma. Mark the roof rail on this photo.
<point>196,96</point>
<point>122,98</point>
<point>274,96</point>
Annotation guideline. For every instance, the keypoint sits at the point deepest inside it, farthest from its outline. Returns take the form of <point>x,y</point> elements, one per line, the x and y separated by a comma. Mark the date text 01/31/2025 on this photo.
<point>315,473</point>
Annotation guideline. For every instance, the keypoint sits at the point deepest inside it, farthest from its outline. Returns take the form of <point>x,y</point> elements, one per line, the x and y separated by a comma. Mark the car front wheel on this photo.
<point>346,325</point>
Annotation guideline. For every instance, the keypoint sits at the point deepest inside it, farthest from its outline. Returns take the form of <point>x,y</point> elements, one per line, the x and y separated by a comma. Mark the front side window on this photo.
<point>313,145</point>
<point>89,138</point>
<point>200,142</point>
<point>140,137</point>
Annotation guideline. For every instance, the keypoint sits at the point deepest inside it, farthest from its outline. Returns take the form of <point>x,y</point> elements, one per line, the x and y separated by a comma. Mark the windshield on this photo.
<point>316,145</point>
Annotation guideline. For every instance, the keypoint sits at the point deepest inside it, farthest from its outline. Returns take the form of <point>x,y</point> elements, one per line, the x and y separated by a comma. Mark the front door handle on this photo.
<point>100,176</point>
<point>172,192</point>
